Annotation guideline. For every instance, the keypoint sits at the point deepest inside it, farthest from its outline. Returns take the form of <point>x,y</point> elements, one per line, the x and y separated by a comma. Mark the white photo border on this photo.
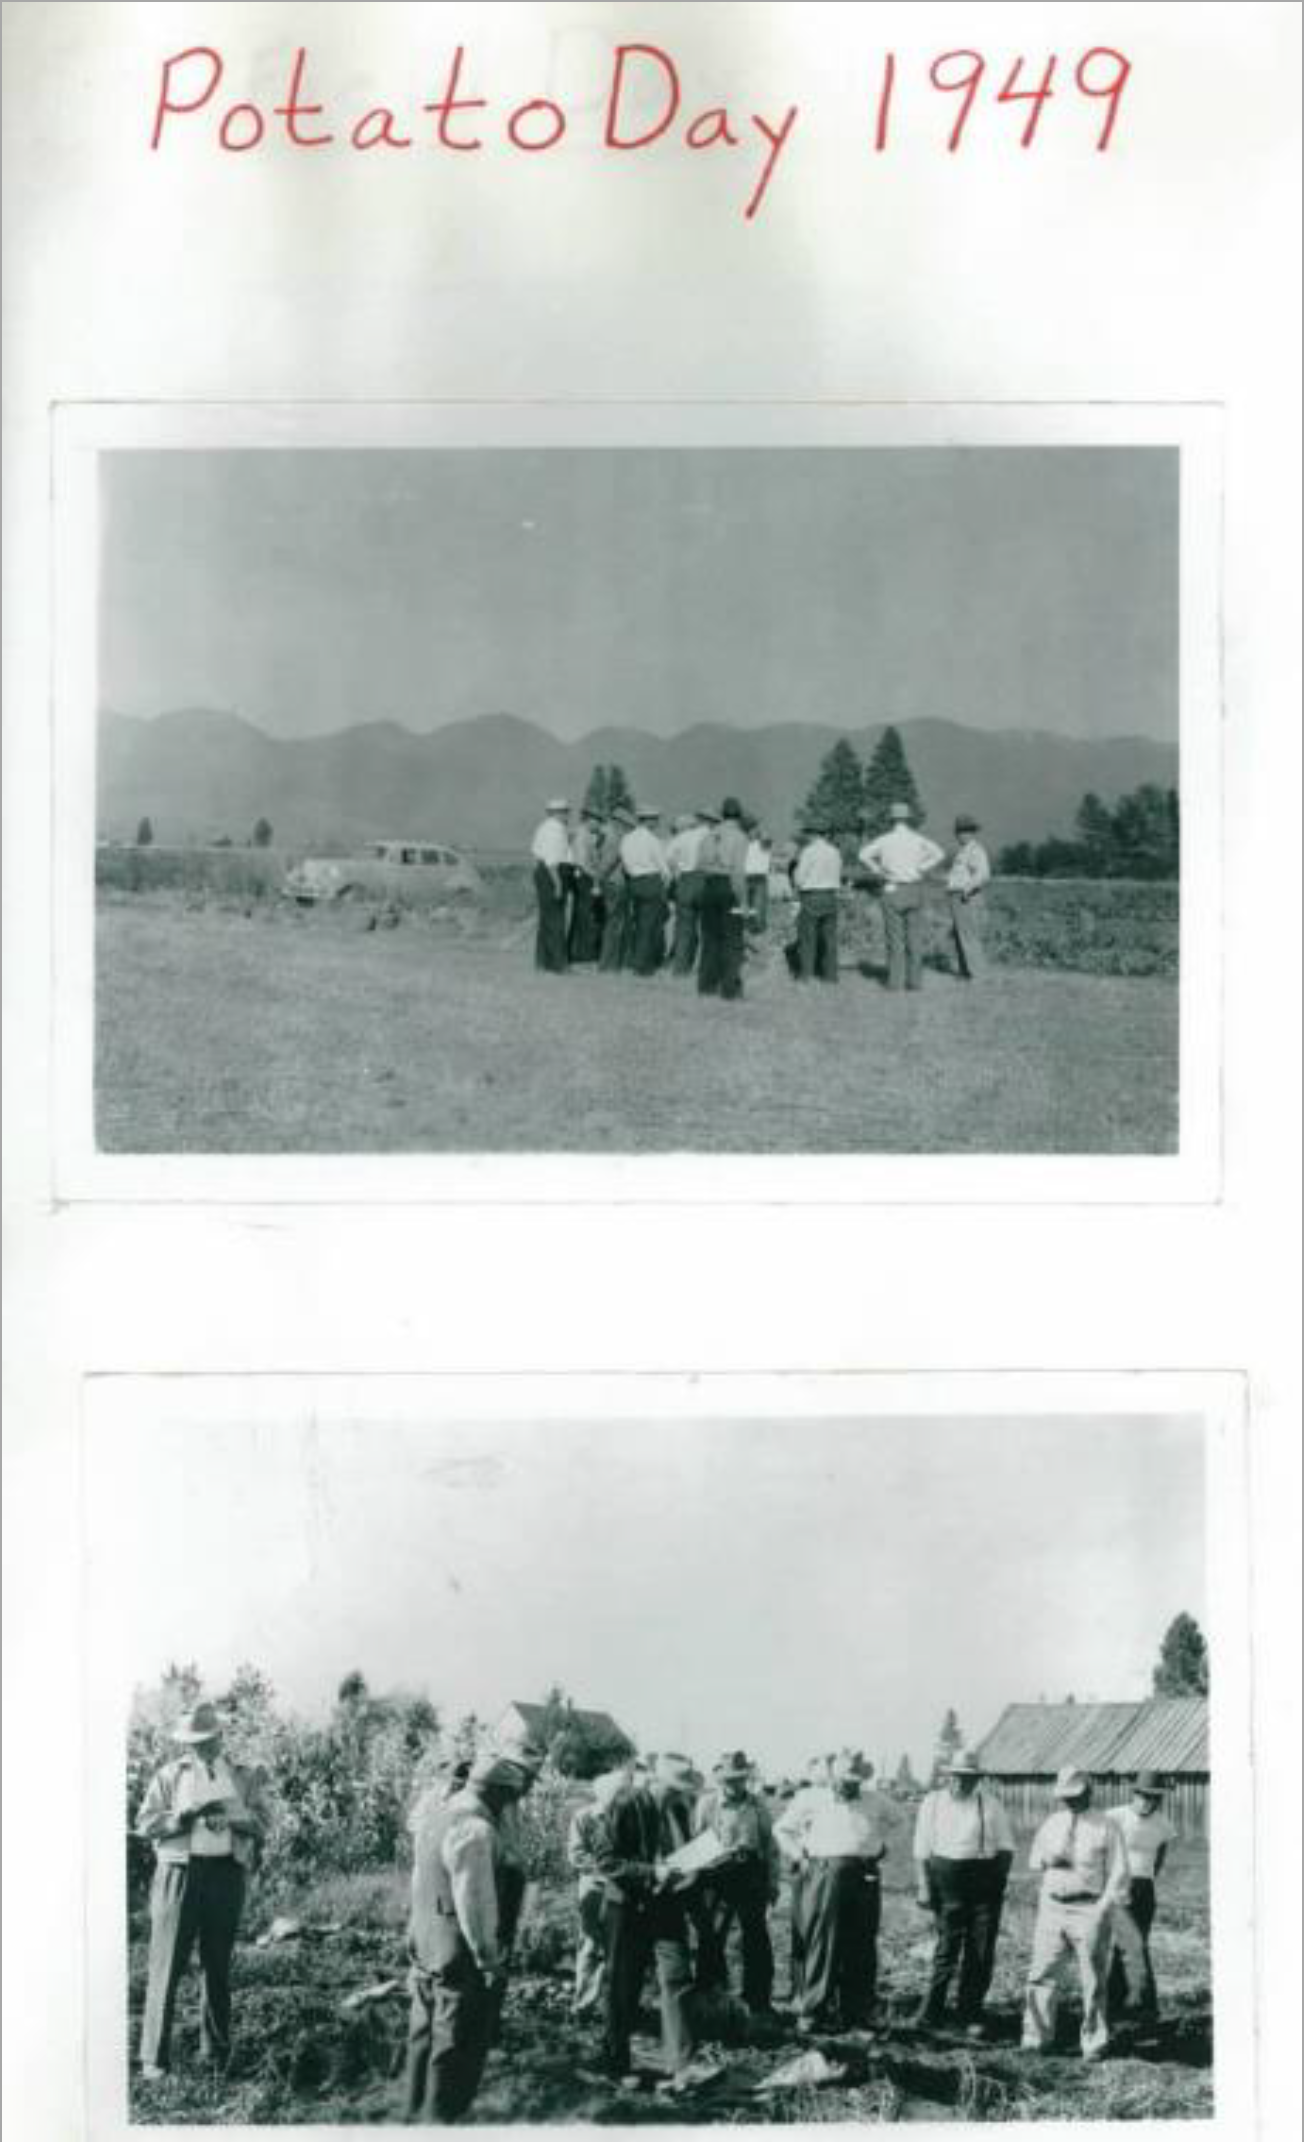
<point>81,432</point>
<point>186,1400</point>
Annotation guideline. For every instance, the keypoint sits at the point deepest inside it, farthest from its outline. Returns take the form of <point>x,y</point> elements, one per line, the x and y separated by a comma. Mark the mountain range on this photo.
<point>201,775</point>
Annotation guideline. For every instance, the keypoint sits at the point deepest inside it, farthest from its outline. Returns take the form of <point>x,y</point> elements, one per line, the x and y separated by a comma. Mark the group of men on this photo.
<point>669,1864</point>
<point>616,893</point>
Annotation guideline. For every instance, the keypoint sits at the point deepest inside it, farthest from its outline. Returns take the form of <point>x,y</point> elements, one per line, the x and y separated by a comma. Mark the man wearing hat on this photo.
<point>1147,1833</point>
<point>724,904</point>
<point>840,1836</point>
<point>817,881</point>
<point>815,1782</point>
<point>459,1937</point>
<point>1083,1866</point>
<point>744,1888</point>
<point>206,1818</point>
<point>963,1851</point>
<point>551,850</point>
<point>758,873</point>
<point>647,874</point>
<point>966,883</point>
<point>641,1826</point>
<point>584,939</point>
<point>590,1892</point>
<point>613,887</point>
<point>683,855</point>
<point>899,861</point>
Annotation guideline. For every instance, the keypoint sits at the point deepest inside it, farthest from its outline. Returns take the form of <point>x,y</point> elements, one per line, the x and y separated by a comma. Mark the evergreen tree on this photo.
<point>1183,1668</point>
<point>1145,833</point>
<point>1094,828</point>
<point>145,834</point>
<point>608,790</point>
<point>836,797</point>
<point>888,780</point>
<point>262,834</point>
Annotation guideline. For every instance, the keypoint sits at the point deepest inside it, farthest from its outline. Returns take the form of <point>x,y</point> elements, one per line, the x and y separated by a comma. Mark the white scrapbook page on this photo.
<point>651,746</point>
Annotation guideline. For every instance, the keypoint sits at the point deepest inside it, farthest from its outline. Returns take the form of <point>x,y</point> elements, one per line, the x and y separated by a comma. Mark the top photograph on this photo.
<point>819,799</point>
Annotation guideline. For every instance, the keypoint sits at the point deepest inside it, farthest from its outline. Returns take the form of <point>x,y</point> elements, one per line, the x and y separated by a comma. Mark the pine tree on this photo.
<point>145,834</point>
<point>608,790</point>
<point>838,790</point>
<point>1183,1668</point>
<point>888,780</point>
<point>1094,827</point>
<point>262,834</point>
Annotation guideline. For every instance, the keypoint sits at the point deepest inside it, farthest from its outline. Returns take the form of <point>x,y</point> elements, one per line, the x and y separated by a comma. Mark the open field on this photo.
<point>300,2058</point>
<point>246,1025</point>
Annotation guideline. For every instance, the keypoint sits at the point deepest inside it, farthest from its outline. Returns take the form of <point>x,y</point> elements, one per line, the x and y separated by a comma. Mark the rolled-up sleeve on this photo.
<point>156,1815</point>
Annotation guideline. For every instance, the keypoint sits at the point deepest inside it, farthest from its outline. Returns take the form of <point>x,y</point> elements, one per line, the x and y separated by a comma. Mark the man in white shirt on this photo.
<point>817,880</point>
<point>841,1836</point>
<point>964,1848</point>
<point>900,861</point>
<point>1147,1833</point>
<point>1083,1866</point>
<point>205,1817</point>
<point>551,850</point>
<point>459,1936</point>
<point>647,874</point>
<point>758,874</point>
<point>683,857</point>
<point>795,1813</point>
<point>966,883</point>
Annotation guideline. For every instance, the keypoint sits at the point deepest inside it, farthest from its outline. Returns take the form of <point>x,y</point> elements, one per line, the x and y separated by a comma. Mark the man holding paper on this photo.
<point>644,1850</point>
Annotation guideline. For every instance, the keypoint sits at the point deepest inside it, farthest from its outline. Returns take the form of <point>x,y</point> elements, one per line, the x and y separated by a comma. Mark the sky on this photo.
<point>310,590</point>
<point>783,1587</point>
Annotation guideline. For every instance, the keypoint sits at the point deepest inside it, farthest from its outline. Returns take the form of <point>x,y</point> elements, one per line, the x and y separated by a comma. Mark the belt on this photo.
<point>1079,1896</point>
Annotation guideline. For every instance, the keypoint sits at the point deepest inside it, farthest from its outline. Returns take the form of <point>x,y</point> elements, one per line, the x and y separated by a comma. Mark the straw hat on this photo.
<point>963,1764</point>
<point>1070,1782</point>
<point>201,1723</point>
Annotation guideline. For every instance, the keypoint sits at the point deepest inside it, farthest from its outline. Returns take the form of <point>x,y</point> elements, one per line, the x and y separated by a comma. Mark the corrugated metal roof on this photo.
<point>1037,1739</point>
<point>534,1716</point>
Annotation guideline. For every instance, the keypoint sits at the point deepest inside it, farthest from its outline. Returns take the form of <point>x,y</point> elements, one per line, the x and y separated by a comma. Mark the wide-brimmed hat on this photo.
<point>708,813</point>
<point>815,825</point>
<point>677,1770</point>
<point>731,808</point>
<point>500,1772</point>
<point>605,1787</point>
<point>963,1764</point>
<point>817,1769</point>
<point>521,1748</point>
<point>899,811</point>
<point>684,822</point>
<point>1070,1782</point>
<point>648,810</point>
<point>736,1765</point>
<point>557,803</point>
<point>591,810</point>
<point>199,1723</point>
<point>1150,1784</point>
<point>850,1763</point>
<point>966,823</point>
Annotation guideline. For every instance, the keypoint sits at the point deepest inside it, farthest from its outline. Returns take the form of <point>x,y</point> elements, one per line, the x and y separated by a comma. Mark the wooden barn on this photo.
<point>532,1721</point>
<point>1030,1742</point>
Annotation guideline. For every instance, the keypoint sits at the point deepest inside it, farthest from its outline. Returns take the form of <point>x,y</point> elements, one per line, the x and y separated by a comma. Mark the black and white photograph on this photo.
<point>693,1768</point>
<point>710,799</point>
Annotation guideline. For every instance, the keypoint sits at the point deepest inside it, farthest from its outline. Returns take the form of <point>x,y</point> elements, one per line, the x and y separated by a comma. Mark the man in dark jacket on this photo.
<point>646,1917</point>
<point>723,863</point>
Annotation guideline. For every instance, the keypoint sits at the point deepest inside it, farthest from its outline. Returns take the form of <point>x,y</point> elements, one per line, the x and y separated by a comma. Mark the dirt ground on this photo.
<point>230,1029</point>
<point>301,2058</point>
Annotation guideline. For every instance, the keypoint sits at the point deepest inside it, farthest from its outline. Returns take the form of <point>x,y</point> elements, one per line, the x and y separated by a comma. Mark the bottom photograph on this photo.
<point>653,1768</point>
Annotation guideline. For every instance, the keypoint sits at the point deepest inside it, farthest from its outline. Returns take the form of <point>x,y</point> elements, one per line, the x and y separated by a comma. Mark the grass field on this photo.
<point>251,1026</point>
<point>302,2057</point>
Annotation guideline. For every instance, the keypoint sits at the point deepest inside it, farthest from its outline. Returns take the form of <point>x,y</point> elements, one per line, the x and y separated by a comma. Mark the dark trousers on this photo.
<point>797,1932</point>
<point>817,936</point>
<point>451,2026</point>
<point>968,1896</point>
<point>738,1895</point>
<point>903,915</point>
<point>585,939</point>
<point>198,1902</point>
<point>649,897</point>
<point>616,940</point>
<point>843,1908</point>
<point>550,942</point>
<point>1131,1959</point>
<point>720,968</point>
<point>688,921</point>
<point>639,1932</point>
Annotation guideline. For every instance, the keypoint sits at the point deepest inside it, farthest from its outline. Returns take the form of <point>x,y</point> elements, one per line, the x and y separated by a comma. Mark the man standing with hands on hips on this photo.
<point>1082,1861</point>
<point>900,862</point>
